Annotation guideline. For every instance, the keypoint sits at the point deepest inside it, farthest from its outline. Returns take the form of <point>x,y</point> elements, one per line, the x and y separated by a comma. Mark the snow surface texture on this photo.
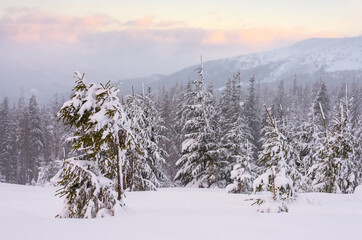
<point>28,213</point>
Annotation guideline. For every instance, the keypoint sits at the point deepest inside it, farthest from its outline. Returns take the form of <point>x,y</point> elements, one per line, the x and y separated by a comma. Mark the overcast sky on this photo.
<point>43,42</point>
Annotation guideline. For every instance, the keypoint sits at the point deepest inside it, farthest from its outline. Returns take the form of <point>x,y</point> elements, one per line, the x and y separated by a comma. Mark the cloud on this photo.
<point>107,48</point>
<point>29,25</point>
<point>170,24</point>
<point>142,22</point>
<point>149,22</point>
<point>32,25</point>
<point>259,36</point>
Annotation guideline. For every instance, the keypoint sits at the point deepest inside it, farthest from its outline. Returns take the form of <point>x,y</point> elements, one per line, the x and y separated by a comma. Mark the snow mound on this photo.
<point>358,192</point>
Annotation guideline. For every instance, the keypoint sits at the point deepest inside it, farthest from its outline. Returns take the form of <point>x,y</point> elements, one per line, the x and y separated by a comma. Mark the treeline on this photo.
<point>32,141</point>
<point>307,134</point>
<point>188,136</point>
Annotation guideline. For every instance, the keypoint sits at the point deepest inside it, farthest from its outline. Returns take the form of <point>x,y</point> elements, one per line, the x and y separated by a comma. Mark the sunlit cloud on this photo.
<point>150,22</point>
<point>30,25</point>
<point>170,24</point>
<point>142,22</point>
<point>27,25</point>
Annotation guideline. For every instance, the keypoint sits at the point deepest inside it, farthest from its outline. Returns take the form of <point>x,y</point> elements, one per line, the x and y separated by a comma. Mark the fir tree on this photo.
<point>337,168</point>
<point>153,125</point>
<point>199,164</point>
<point>144,163</point>
<point>279,158</point>
<point>323,99</point>
<point>279,109</point>
<point>8,153</point>
<point>244,172</point>
<point>23,145</point>
<point>36,140</point>
<point>168,143</point>
<point>102,133</point>
<point>252,114</point>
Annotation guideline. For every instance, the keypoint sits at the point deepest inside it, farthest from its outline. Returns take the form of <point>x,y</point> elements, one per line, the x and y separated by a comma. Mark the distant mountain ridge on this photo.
<point>332,59</point>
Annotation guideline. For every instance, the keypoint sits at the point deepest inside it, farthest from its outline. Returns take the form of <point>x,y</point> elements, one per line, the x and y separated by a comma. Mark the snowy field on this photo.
<point>175,213</point>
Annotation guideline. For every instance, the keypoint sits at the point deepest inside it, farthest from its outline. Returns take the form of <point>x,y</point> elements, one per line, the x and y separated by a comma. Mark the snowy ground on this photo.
<point>28,213</point>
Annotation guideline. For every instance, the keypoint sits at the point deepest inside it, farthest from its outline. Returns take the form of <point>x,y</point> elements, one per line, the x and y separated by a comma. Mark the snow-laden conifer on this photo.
<point>92,183</point>
<point>243,173</point>
<point>199,164</point>
<point>279,159</point>
<point>144,163</point>
<point>8,150</point>
<point>337,167</point>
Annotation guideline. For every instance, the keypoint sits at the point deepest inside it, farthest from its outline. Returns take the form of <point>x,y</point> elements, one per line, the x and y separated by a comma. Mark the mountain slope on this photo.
<point>330,58</point>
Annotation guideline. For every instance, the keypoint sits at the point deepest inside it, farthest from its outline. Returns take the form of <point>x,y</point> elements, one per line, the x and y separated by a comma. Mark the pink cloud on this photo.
<point>27,25</point>
<point>149,22</point>
<point>142,22</point>
<point>170,24</point>
<point>30,25</point>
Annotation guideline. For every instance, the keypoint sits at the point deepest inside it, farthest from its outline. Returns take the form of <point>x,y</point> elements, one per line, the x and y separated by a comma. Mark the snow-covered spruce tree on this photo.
<point>199,164</point>
<point>152,127</point>
<point>36,140</point>
<point>178,101</point>
<point>306,102</point>
<point>169,142</point>
<point>230,103</point>
<point>279,109</point>
<point>143,162</point>
<point>279,159</point>
<point>8,152</point>
<point>22,143</point>
<point>323,99</point>
<point>230,109</point>
<point>56,148</point>
<point>356,106</point>
<point>337,168</point>
<point>47,166</point>
<point>252,114</point>
<point>238,150</point>
<point>243,173</point>
<point>306,137</point>
<point>356,120</point>
<point>358,149</point>
<point>133,178</point>
<point>92,182</point>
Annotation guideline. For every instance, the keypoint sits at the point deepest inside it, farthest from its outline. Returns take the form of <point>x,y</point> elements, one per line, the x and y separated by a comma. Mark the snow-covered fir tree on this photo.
<point>92,183</point>
<point>230,103</point>
<point>336,169</point>
<point>244,171</point>
<point>199,164</point>
<point>36,140</point>
<point>279,109</point>
<point>279,159</point>
<point>168,143</point>
<point>306,137</point>
<point>323,99</point>
<point>153,126</point>
<point>144,162</point>
<point>252,114</point>
<point>237,149</point>
<point>8,150</point>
